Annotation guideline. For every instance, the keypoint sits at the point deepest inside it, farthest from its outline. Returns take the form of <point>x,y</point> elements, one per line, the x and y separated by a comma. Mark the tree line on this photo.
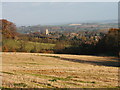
<point>107,45</point>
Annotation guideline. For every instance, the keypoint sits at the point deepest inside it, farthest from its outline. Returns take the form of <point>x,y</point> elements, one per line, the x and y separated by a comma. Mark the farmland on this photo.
<point>13,45</point>
<point>36,70</point>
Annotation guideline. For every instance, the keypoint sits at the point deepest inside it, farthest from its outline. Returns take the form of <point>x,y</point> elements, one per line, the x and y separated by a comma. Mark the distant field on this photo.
<point>26,70</point>
<point>28,45</point>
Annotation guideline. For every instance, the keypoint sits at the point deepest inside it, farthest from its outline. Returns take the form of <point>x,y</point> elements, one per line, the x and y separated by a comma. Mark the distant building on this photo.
<point>39,31</point>
<point>74,24</point>
<point>46,32</point>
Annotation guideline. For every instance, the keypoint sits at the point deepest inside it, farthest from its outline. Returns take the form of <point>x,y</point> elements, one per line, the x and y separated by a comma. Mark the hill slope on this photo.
<point>26,70</point>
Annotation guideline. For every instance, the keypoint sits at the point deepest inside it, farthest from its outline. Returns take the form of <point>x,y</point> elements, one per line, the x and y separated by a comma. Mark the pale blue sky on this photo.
<point>58,13</point>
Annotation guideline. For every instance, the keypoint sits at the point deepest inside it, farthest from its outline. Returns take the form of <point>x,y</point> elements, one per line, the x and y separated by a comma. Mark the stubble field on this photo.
<point>36,70</point>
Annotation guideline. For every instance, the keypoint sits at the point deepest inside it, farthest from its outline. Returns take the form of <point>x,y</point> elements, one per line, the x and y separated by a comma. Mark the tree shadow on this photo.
<point>114,63</point>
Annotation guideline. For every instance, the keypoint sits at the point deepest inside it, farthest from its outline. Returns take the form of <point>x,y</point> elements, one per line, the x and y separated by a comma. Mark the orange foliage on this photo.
<point>8,29</point>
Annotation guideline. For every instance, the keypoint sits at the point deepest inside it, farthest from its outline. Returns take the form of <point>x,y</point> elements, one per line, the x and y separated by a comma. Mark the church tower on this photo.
<point>46,32</point>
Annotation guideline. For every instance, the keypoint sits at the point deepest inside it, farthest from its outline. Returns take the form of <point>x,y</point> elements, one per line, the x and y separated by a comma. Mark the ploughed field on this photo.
<point>36,70</point>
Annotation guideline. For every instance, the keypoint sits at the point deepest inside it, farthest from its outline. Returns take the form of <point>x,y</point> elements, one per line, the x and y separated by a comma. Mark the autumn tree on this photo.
<point>8,29</point>
<point>110,43</point>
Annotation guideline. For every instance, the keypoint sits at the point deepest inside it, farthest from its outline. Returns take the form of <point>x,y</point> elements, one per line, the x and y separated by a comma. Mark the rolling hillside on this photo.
<point>35,70</point>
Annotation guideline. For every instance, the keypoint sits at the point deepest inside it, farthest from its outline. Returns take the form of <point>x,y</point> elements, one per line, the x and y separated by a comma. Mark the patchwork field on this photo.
<point>34,70</point>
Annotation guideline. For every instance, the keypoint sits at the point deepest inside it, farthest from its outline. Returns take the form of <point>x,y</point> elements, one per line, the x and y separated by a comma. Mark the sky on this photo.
<point>47,13</point>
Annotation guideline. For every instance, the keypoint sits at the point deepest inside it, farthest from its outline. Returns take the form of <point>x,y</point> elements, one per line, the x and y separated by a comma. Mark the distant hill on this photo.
<point>101,25</point>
